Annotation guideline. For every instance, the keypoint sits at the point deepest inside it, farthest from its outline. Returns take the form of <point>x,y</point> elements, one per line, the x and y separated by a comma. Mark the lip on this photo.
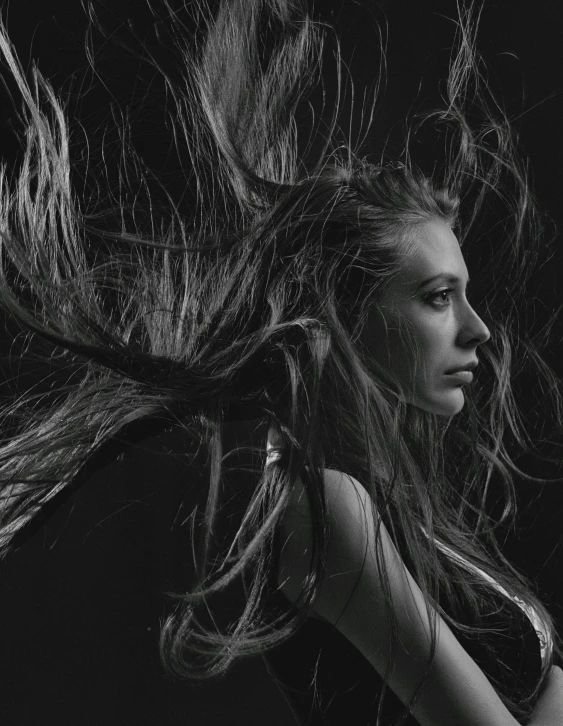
<point>467,367</point>
<point>462,376</point>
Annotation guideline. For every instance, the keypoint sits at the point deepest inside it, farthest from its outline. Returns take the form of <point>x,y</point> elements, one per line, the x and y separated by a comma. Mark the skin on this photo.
<point>446,329</point>
<point>447,332</point>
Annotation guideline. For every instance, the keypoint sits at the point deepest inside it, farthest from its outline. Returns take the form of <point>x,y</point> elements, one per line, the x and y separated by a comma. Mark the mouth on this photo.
<point>461,376</point>
<point>468,367</point>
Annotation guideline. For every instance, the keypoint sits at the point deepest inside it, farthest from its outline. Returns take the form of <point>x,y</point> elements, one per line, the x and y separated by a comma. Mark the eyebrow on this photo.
<point>446,276</point>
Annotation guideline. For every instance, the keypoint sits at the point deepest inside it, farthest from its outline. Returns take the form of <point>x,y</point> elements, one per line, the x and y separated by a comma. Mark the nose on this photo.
<point>473,331</point>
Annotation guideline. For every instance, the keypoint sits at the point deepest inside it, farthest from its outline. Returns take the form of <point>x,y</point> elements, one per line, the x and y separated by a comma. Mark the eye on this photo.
<point>440,298</point>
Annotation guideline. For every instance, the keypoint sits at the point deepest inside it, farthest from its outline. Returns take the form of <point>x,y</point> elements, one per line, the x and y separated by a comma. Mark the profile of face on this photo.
<point>427,303</point>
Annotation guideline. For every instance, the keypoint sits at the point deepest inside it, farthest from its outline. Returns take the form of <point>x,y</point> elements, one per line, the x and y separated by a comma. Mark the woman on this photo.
<point>326,298</point>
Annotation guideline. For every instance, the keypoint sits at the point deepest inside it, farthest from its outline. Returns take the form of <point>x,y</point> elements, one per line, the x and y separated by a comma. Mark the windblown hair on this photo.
<point>253,286</point>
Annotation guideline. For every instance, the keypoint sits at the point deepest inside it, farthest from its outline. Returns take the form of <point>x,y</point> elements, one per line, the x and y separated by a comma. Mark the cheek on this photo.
<point>394,348</point>
<point>399,341</point>
<point>428,345</point>
<point>414,338</point>
<point>432,344</point>
<point>430,390</point>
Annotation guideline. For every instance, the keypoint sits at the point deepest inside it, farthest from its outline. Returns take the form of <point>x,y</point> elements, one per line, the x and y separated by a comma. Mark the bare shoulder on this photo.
<point>351,597</point>
<point>352,539</point>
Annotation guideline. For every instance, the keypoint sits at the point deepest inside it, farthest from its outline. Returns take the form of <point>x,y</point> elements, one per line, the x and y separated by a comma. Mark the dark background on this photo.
<point>523,45</point>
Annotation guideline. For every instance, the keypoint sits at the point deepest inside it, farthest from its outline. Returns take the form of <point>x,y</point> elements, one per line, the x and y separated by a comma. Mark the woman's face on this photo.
<point>428,298</point>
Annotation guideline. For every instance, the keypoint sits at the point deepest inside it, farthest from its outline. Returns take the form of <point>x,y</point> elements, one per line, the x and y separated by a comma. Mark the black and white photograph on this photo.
<point>281,363</point>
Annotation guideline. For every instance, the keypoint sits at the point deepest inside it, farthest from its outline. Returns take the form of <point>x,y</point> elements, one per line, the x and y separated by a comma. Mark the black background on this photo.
<point>523,45</point>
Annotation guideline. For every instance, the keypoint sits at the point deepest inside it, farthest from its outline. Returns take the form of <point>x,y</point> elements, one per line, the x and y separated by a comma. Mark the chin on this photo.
<point>442,405</point>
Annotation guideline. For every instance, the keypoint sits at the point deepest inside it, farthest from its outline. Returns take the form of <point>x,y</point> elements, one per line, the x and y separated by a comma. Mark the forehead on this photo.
<point>434,250</point>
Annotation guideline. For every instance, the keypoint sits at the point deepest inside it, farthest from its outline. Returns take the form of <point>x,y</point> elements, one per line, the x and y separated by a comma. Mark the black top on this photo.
<point>82,598</point>
<point>328,682</point>
<point>347,687</point>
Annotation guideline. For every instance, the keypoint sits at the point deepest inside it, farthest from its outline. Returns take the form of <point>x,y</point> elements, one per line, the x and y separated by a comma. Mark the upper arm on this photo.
<point>350,597</point>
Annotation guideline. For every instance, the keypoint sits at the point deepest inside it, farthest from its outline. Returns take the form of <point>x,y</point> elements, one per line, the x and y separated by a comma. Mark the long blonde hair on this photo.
<point>253,287</point>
